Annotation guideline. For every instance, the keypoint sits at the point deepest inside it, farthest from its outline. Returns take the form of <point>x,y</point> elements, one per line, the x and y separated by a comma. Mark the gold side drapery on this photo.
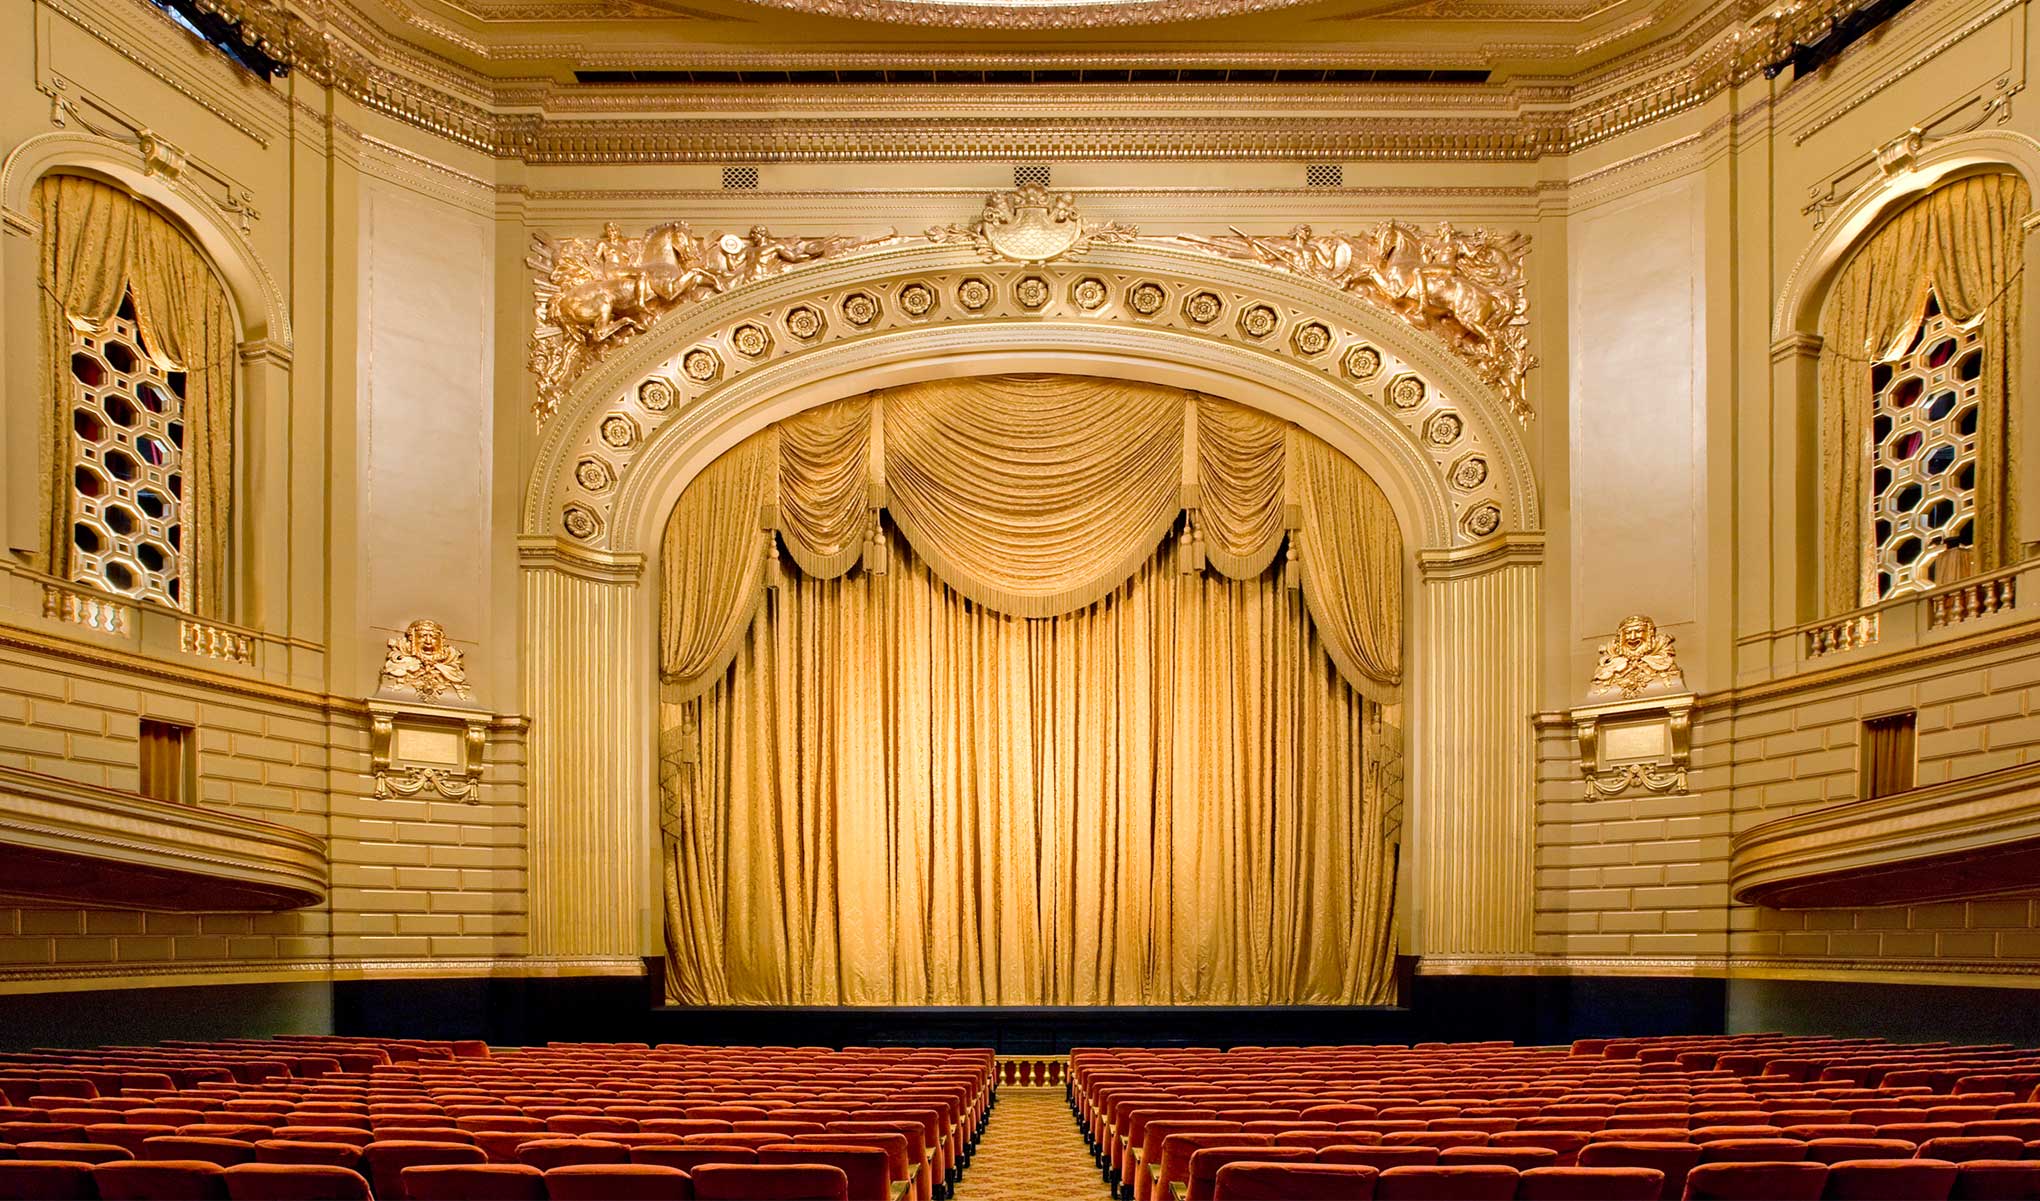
<point>1036,495</point>
<point>1964,242</point>
<point>98,245</point>
<point>898,796</point>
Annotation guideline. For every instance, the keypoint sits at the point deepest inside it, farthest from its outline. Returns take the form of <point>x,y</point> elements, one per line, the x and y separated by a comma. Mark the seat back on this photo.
<point>386,1160</point>
<point>295,1182</point>
<point>1439,1182</point>
<point>226,1152</point>
<point>1889,1180</point>
<point>548,1153</point>
<point>1756,1182</point>
<point>1380,1158</point>
<point>617,1182</point>
<point>1266,1181</point>
<point>1995,1179</point>
<point>1963,1148</point>
<point>770,1182</point>
<point>1590,1184</point>
<point>472,1182</point>
<point>161,1180</point>
<point>866,1169</point>
<point>1200,1176</point>
<point>1674,1160</point>
<point>47,1179</point>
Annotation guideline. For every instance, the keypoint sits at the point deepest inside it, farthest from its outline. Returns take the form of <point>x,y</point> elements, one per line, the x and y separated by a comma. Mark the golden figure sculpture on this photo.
<point>1032,225</point>
<point>1463,286</point>
<point>590,296</point>
<point>1640,657</point>
<point>425,661</point>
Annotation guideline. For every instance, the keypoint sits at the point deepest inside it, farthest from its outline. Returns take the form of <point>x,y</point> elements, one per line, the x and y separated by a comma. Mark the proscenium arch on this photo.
<point>590,606</point>
<point>1235,368</point>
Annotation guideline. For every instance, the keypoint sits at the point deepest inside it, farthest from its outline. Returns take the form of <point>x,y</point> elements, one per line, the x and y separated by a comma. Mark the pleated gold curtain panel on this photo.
<point>1036,496</point>
<point>1964,243</point>
<point>99,245</point>
<point>989,733</point>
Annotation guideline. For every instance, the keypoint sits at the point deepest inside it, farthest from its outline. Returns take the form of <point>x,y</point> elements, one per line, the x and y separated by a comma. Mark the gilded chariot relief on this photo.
<point>1464,287</point>
<point>591,295</point>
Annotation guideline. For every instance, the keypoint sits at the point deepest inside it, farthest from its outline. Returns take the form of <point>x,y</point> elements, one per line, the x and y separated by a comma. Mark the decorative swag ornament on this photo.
<point>1034,496</point>
<point>1963,242</point>
<point>100,245</point>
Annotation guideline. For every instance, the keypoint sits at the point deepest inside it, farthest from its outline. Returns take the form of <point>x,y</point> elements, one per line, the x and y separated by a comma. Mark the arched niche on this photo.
<point>258,556</point>
<point>1906,174</point>
<point>631,434</point>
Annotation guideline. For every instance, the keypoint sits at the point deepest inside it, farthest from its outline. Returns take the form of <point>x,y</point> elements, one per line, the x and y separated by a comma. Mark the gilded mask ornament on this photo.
<point>1464,287</point>
<point>423,660</point>
<point>591,295</point>
<point>1640,658</point>
<point>1032,225</point>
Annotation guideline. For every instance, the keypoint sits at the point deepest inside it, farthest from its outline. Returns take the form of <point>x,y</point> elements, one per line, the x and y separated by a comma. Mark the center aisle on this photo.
<point>1032,1149</point>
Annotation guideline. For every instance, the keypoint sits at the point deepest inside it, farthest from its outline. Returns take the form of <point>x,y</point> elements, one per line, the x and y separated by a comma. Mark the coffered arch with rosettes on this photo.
<point>631,432</point>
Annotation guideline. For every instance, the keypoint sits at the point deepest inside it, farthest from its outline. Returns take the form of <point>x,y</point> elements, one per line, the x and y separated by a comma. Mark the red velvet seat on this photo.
<point>866,1169</point>
<point>1995,1179</point>
<point>1200,1173</point>
<point>585,1123</point>
<point>1565,1144</point>
<point>46,1180</point>
<point>299,1151</point>
<point>1674,1160</point>
<point>226,1152</point>
<point>618,1182</point>
<point>1379,1158</point>
<point>770,1182</point>
<point>1590,1184</point>
<point>74,1152</point>
<point>685,1125</point>
<point>1756,1182</point>
<point>386,1160</point>
<point>688,1156</point>
<point>1438,1182</point>
<point>548,1153</point>
<point>295,1182</point>
<point>472,1182</point>
<point>1964,1148</point>
<point>1839,1150</point>
<point>42,1132</point>
<point>1251,1181</point>
<point>1889,1180</point>
<point>1519,1158</point>
<point>161,1180</point>
<point>1753,1150</point>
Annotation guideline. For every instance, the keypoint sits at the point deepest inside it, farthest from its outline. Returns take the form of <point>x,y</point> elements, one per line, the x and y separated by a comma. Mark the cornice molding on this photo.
<point>2014,973</point>
<point>520,119</point>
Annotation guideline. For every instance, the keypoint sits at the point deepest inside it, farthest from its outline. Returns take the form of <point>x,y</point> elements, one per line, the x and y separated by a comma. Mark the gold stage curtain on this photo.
<point>98,244</point>
<point>1962,241</point>
<point>1036,495</point>
<point>898,796</point>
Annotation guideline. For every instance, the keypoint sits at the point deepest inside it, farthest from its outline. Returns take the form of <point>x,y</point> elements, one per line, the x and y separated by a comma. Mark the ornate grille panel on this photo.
<point>1923,428</point>
<point>127,462</point>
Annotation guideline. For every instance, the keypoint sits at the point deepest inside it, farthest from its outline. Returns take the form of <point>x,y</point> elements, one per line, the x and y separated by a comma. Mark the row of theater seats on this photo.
<point>1750,1116</point>
<point>310,1118</point>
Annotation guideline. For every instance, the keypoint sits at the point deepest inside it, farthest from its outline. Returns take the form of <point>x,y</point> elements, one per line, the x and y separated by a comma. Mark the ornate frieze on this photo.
<point>1032,225</point>
<point>1465,287</point>
<point>592,295</point>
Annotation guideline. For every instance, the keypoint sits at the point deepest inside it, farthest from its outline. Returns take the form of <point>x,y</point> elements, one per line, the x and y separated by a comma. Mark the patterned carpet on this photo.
<point>1031,1149</point>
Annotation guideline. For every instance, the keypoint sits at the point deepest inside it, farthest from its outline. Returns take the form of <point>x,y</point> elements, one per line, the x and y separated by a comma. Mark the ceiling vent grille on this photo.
<point>1030,173</point>
<point>1325,175</point>
<point>740,179</point>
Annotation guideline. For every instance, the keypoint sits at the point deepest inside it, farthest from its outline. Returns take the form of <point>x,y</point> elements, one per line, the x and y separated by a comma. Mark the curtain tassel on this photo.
<point>1292,563</point>
<point>874,546</point>
<point>1190,547</point>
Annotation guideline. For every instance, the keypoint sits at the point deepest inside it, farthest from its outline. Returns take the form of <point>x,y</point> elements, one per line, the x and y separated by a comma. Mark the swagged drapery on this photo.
<point>1029,753</point>
<point>1964,242</point>
<point>100,245</point>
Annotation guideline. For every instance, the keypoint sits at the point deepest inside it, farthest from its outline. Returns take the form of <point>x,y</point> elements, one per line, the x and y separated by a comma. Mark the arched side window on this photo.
<point>138,371</point>
<point>1919,349</point>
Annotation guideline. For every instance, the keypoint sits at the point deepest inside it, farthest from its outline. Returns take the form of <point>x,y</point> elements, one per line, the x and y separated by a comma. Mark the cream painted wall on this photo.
<point>1636,328</point>
<point>427,420</point>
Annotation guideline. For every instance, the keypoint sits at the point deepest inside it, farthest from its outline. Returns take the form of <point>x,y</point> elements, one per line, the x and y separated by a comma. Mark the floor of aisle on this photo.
<point>1032,1149</point>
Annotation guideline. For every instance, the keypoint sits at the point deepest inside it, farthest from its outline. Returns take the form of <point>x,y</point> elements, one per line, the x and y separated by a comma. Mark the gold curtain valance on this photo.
<point>99,245</point>
<point>1963,242</point>
<point>1035,496</point>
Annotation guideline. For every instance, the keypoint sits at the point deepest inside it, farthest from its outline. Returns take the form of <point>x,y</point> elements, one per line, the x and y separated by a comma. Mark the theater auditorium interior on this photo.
<point>978,600</point>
